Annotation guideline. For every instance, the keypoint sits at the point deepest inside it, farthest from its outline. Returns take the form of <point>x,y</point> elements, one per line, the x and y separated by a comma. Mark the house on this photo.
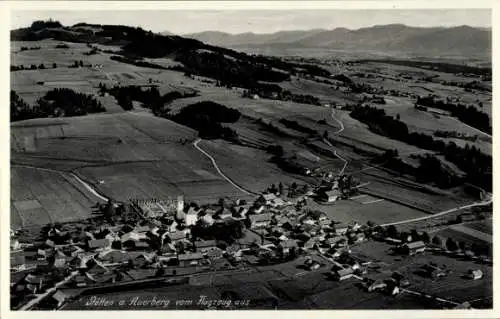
<point>342,274</point>
<point>359,237</point>
<point>41,254</point>
<point>17,261</point>
<point>334,241</point>
<point>35,283</point>
<point>413,248</point>
<point>474,274</point>
<point>288,245</point>
<point>60,296</point>
<point>59,259</point>
<point>113,257</point>
<point>142,229</point>
<point>132,236</point>
<point>168,249</point>
<point>311,243</point>
<point>331,195</point>
<point>190,259</point>
<point>433,271</point>
<point>98,244</point>
<point>191,216</point>
<point>208,219</point>
<point>260,220</point>
<point>142,260</point>
<point>176,236</point>
<point>14,244</point>
<point>82,281</point>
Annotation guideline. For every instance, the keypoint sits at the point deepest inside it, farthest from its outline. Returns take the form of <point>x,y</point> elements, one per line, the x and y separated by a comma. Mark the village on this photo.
<point>148,240</point>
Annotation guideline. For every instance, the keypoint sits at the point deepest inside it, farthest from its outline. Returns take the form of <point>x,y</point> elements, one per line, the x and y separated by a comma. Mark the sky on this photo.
<point>260,21</point>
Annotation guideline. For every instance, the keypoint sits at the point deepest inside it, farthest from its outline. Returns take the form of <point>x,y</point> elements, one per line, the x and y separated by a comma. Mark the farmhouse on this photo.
<point>433,271</point>
<point>413,248</point>
<point>260,220</point>
<point>343,274</point>
<point>331,195</point>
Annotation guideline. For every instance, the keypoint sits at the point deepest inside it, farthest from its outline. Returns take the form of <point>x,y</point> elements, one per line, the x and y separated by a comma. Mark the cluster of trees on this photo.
<point>29,48</point>
<point>62,46</point>
<point>297,126</point>
<point>42,24</point>
<point>19,109</point>
<point>57,102</point>
<point>228,71</point>
<point>135,62</point>
<point>228,232</point>
<point>32,67</point>
<point>432,170</point>
<point>206,117</point>
<point>77,64</point>
<point>467,114</point>
<point>66,102</point>
<point>454,134</point>
<point>469,159</point>
<point>276,150</point>
<point>150,97</point>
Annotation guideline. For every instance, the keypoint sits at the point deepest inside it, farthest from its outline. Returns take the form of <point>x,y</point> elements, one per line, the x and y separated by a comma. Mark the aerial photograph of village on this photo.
<point>251,160</point>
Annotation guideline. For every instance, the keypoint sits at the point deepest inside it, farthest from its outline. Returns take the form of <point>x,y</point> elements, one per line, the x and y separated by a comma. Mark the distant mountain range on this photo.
<point>462,40</point>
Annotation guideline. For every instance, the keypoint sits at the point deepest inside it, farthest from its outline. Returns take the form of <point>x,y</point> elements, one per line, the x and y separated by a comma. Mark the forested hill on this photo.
<point>227,66</point>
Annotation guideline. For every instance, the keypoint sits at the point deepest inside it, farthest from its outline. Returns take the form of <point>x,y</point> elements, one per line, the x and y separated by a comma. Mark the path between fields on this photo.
<point>341,172</point>
<point>214,163</point>
<point>85,184</point>
<point>406,221</point>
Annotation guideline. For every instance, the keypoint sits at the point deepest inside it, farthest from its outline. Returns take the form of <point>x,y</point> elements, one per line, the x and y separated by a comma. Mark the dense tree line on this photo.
<point>139,63</point>
<point>29,48</point>
<point>41,24</point>
<point>467,114</point>
<point>229,71</point>
<point>436,66</point>
<point>469,159</point>
<point>149,97</point>
<point>57,102</point>
<point>453,134</point>
<point>206,117</point>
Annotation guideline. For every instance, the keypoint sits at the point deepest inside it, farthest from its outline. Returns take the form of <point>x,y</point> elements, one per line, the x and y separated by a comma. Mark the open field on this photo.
<point>348,211</point>
<point>484,226</point>
<point>134,155</point>
<point>39,197</point>
<point>451,287</point>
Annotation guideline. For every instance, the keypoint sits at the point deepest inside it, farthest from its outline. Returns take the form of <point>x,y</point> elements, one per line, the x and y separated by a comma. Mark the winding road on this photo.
<point>340,130</point>
<point>407,221</point>
<point>214,163</point>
